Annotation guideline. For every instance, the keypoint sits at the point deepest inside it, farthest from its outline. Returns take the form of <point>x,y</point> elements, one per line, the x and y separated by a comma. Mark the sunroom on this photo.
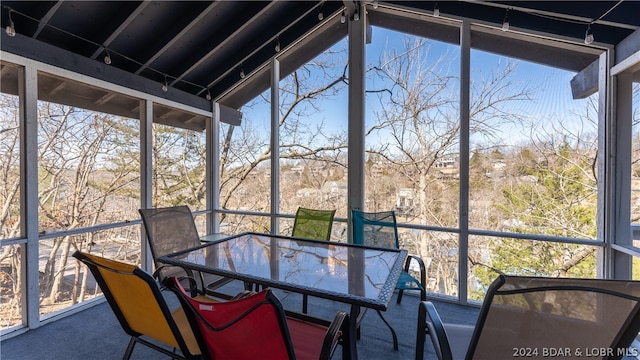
<point>503,134</point>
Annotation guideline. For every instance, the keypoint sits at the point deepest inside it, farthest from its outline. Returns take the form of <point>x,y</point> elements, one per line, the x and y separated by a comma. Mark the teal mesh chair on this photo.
<point>380,229</point>
<point>314,225</point>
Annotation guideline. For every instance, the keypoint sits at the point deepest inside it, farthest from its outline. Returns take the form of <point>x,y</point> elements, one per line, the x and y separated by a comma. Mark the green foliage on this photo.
<point>556,197</point>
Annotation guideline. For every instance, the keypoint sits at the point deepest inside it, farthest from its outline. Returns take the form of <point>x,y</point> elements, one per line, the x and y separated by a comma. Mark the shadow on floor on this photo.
<point>94,333</point>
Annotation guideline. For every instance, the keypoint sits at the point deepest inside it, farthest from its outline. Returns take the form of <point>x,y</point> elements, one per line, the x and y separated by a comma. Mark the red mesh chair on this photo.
<point>540,318</point>
<point>256,327</point>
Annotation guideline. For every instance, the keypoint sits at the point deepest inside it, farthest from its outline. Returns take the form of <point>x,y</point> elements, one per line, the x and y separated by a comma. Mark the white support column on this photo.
<point>465,79</point>
<point>146,174</point>
<point>617,223</point>
<point>28,92</point>
<point>213,171</point>
<point>275,145</point>
<point>356,156</point>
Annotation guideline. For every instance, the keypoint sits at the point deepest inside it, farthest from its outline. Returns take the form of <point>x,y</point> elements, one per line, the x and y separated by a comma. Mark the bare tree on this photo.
<point>245,151</point>
<point>419,118</point>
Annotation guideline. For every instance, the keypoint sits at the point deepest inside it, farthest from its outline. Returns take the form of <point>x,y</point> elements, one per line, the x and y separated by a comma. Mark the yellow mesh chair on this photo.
<point>140,308</point>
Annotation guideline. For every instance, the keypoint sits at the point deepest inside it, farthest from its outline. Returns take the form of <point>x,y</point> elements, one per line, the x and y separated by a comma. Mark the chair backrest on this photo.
<point>313,224</point>
<point>135,299</point>
<point>169,229</point>
<point>375,228</point>
<point>557,317</point>
<point>248,328</point>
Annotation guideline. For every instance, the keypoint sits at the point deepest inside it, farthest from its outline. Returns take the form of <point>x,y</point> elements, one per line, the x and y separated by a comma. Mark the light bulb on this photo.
<point>165,86</point>
<point>505,25</point>
<point>277,47</point>
<point>356,16</point>
<point>436,11</point>
<point>208,95</point>
<point>343,18</point>
<point>375,4</point>
<point>588,39</point>
<point>107,58</point>
<point>242,75</point>
<point>588,35</point>
<point>11,28</point>
<point>320,15</point>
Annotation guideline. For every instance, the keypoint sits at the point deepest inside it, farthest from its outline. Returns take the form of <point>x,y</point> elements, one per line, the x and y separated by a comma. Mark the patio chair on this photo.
<point>172,229</point>
<point>536,317</point>
<point>257,326</point>
<point>315,225</point>
<point>381,229</point>
<point>136,300</point>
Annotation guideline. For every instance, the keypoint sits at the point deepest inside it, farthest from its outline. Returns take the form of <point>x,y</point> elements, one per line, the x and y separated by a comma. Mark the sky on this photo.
<point>552,99</point>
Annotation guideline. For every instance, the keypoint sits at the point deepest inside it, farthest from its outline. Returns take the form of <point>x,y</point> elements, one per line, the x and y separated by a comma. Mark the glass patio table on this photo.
<point>358,275</point>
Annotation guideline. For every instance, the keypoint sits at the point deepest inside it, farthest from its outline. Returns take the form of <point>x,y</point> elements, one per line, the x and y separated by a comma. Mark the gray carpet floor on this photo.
<point>95,333</point>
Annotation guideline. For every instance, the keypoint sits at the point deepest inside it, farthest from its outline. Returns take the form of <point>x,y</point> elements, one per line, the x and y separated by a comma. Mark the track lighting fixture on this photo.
<point>375,4</point>
<point>277,47</point>
<point>356,16</point>
<point>588,35</point>
<point>505,23</point>
<point>242,74</point>
<point>436,10</point>
<point>208,95</point>
<point>165,86</point>
<point>343,18</point>
<point>11,28</point>
<point>107,57</point>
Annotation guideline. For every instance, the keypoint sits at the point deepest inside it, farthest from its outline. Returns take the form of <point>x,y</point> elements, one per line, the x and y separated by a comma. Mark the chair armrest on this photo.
<point>429,322</point>
<point>423,269</point>
<point>337,331</point>
<point>193,284</point>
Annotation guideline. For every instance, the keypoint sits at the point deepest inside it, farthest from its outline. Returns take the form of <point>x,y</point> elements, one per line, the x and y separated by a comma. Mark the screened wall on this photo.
<point>492,163</point>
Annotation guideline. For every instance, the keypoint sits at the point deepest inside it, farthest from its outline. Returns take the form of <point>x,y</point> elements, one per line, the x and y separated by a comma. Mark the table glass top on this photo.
<point>327,267</point>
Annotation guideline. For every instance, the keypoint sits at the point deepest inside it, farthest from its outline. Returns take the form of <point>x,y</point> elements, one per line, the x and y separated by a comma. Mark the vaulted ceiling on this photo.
<point>201,49</point>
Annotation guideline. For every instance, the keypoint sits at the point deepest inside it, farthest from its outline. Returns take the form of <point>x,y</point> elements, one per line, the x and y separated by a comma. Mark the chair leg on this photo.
<point>421,333</point>
<point>400,292</point>
<point>304,303</point>
<point>393,333</point>
<point>127,353</point>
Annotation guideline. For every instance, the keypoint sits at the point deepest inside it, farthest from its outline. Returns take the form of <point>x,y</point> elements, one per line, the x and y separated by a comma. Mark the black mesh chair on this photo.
<point>172,229</point>
<point>540,318</point>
